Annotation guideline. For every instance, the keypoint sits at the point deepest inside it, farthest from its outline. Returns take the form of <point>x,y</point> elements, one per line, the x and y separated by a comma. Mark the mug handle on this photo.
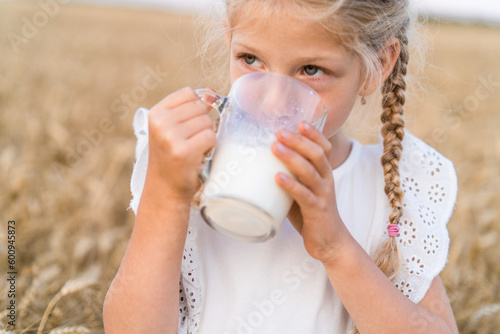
<point>217,102</point>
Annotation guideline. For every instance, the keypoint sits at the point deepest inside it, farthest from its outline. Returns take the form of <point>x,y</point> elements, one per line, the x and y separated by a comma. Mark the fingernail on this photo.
<point>280,147</point>
<point>283,177</point>
<point>285,133</point>
<point>306,126</point>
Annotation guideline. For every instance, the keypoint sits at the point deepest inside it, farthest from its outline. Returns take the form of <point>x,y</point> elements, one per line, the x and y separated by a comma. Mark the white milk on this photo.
<point>247,173</point>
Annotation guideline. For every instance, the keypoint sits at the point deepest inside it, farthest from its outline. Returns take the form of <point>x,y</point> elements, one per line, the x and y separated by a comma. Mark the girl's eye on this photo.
<point>249,59</point>
<point>313,71</point>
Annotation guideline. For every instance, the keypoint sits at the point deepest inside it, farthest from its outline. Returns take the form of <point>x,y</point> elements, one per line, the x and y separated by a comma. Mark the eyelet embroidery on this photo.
<point>190,288</point>
<point>405,287</point>
<point>427,215</point>
<point>432,162</point>
<point>408,232</point>
<point>436,193</point>
<point>410,186</point>
<point>415,265</point>
<point>429,183</point>
<point>431,244</point>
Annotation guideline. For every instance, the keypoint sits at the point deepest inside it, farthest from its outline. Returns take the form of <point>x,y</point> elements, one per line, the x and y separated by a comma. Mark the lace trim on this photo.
<point>190,285</point>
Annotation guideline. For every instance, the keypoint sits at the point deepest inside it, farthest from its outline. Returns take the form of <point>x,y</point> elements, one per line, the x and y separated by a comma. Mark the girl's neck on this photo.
<point>341,148</point>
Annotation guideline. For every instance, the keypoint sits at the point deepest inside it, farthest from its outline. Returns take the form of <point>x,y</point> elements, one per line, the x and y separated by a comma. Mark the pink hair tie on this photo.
<point>393,230</point>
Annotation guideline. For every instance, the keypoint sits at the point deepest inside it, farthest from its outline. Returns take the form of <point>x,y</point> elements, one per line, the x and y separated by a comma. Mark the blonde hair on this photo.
<point>365,27</point>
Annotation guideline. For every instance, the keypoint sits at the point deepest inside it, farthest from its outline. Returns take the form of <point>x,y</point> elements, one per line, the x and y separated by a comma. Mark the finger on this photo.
<point>182,96</point>
<point>301,194</point>
<point>299,166</point>
<point>168,110</point>
<point>193,126</point>
<point>316,136</point>
<point>189,110</point>
<point>203,141</point>
<point>309,149</point>
<point>169,119</point>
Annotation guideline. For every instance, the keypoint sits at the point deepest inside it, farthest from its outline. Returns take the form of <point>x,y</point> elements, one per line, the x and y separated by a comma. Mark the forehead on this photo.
<point>278,30</point>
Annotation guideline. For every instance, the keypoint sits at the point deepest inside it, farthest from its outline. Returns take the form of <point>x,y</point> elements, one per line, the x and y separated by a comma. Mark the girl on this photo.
<point>366,237</point>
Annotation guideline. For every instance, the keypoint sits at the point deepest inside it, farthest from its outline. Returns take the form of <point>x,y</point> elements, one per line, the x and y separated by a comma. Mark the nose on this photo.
<point>287,101</point>
<point>275,101</point>
<point>279,96</point>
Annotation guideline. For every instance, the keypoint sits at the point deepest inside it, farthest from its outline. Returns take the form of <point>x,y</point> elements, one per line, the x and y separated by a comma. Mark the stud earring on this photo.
<point>363,100</point>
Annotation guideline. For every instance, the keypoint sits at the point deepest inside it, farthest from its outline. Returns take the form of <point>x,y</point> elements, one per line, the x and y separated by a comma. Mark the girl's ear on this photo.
<point>388,56</point>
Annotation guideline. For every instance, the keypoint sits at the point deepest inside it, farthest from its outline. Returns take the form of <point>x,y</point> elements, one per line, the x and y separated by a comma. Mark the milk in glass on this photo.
<point>248,173</point>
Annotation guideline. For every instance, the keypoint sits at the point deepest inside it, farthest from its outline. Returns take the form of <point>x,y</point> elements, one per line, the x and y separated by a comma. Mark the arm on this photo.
<point>144,296</point>
<point>374,304</point>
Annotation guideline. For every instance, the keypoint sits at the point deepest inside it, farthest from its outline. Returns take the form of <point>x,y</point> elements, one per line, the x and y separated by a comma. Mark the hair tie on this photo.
<point>393,230</point>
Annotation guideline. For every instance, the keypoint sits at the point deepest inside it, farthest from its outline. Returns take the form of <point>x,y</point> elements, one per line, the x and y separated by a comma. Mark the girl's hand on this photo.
<point>180,133</point>
<point>314,214</point>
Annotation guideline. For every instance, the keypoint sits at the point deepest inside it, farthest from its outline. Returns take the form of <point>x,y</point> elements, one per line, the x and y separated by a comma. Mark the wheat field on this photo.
<point>71,77</point>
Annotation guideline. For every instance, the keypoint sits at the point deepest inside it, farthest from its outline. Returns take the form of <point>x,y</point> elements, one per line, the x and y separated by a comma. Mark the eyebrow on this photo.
<point>250,49</point>
<point>329,58</point>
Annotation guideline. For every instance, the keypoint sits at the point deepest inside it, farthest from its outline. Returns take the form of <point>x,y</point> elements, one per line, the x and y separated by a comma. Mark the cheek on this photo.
<point>232,71</point>
<point>235,70</point>
<point>339,99</point>
<point>338,110</point>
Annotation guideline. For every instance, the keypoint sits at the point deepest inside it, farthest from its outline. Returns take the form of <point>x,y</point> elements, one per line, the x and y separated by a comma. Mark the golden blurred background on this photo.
<point>70,83</point>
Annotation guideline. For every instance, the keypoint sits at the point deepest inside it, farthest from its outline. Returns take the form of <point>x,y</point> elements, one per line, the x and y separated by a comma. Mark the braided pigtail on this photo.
<point>388,258</point>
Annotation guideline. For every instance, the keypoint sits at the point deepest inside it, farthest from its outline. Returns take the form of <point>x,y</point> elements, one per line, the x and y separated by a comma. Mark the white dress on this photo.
<point>233,287</point>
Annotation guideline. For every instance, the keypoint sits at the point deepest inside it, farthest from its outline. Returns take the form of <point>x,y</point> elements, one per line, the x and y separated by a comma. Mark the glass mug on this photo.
<point>240,197</point>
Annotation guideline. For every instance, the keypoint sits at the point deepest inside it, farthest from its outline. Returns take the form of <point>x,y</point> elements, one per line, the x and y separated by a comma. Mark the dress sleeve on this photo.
<point>182,327</point>
<point>190,285</point>
<point>140,125</point>
<point>429,182</point>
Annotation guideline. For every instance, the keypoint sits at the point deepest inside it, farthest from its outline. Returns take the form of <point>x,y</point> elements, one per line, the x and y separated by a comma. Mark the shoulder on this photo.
<point>427,177</point>
<point>429,182</point>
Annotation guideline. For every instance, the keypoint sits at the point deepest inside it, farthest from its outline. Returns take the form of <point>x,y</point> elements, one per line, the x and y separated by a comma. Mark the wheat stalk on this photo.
<point>29,296</point>
<point>87,279</point>
<point>486,311</point>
